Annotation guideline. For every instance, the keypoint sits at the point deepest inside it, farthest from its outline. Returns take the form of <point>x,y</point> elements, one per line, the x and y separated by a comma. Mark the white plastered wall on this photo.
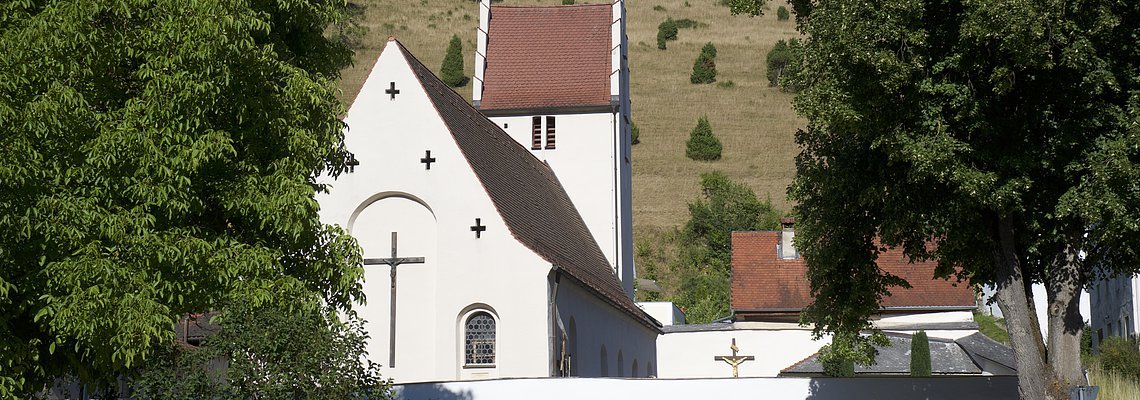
<point>392,191</point>
<point>778,346</point>
<point>598,324</point>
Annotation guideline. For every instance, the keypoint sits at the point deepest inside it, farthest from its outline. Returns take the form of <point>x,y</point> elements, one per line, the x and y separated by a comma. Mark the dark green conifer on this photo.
<point>451,73</point>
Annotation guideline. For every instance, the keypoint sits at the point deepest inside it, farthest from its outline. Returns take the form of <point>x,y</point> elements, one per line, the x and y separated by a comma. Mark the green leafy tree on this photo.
<point>705,260</point>
<point>267,352</point>
<point>666,31</point>
<point>702,144</point>
<point>451,73</point>
<point>782,14</point>
<point>704,68</point>
<point>161,157</point>
<point>919,355</point>
<point>1005,133</point>
<point>782,61</point>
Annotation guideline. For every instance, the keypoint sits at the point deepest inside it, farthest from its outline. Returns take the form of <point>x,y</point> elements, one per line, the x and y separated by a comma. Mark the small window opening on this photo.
<point>550,132</point>
<point>536,133</point>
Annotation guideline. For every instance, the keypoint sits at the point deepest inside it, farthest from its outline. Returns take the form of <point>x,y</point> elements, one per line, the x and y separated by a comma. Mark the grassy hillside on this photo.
<point>755,122</point>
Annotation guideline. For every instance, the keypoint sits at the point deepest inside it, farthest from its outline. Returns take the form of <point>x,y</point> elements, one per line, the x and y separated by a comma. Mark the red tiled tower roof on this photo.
<point>763,282</point>
<point>540,57</point>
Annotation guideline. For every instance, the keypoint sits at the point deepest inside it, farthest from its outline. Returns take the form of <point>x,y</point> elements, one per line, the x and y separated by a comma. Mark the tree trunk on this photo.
<point>1065,321</point>
<point>1024,335</point>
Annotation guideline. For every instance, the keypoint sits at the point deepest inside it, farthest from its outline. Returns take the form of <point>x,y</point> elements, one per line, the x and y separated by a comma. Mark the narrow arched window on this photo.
<point>479,339</point>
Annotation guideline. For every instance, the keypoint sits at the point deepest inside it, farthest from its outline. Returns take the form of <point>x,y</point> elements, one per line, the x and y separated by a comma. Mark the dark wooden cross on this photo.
<point>391,91</point>
<point>393,262</point>
<point>734,360</point>
<point>428,159</point>
<point>352,162</point>
<point>478,228</point>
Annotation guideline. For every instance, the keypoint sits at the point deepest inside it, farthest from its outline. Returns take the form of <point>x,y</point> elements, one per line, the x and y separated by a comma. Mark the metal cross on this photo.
<point>428,159</point>
<point>393,262</point>
<point>478,228</point>
<point>734,360</point>
<point>391,91</point>
<point>352,162</point>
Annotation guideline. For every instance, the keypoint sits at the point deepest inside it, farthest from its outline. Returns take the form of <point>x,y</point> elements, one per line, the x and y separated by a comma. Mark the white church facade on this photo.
<point>477,264</point>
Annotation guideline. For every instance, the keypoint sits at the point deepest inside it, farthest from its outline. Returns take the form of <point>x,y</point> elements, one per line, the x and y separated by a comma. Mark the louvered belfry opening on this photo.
<point>536,133</point>
<point>550,132</point>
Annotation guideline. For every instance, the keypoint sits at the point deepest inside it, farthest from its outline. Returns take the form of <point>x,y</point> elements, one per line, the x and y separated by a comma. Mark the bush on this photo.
<point>1121,356</point>
<point>782,13</point>
<point>666,31</point>
<point>702,144</point>
<point>727,206</point>
<point>451,73</point>
<point>704,69</point>
<point>709,49</point>
<point>920,355</point>
<point>781,61</point>
<point>689,23</point>
<point>634,133</point>
<point>567,2</point>
<point>658,8</point>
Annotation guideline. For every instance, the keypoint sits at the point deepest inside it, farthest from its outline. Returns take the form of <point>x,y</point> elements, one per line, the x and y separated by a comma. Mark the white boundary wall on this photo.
<point>885,388</point>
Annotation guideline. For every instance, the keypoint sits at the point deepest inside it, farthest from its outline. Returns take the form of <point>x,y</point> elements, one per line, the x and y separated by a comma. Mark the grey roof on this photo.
<point>527,194</point>
<point>981,346</point>
<point>946,358</point>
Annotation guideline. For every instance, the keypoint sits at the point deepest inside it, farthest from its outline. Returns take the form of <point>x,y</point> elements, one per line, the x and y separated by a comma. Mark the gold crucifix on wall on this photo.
<point>734,360</point>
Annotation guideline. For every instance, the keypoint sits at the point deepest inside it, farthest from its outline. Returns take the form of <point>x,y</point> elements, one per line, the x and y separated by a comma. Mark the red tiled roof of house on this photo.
<point>763,281</point>
<point>547,57</point>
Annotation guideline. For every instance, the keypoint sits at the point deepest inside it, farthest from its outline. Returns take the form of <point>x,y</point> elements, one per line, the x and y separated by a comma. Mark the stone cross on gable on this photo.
<point>393,262</point>
<point>734,360</point>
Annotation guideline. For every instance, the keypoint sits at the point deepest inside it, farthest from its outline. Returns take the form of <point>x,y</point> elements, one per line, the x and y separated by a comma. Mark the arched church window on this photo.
<point>479,339</point>
<point>621,364</point>
<point>605,362</point>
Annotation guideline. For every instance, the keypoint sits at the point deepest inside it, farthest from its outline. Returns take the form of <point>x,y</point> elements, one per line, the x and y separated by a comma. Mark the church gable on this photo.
<point>526,193</point>
<point>545,57</point>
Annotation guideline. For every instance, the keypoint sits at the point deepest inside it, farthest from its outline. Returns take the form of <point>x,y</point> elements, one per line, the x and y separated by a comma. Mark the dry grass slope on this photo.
<point>755,122</point>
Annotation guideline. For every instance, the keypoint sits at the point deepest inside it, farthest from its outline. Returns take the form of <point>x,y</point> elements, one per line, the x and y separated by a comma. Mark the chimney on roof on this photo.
<point>787,250</point>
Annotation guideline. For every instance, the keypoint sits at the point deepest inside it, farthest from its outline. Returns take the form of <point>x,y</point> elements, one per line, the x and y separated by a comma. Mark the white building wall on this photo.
<point>391,191</point>
<point>597,325</point>
<point>664,312</point>
<point>884,388</point>
<point>1114,307</point>
<point>690,354</point>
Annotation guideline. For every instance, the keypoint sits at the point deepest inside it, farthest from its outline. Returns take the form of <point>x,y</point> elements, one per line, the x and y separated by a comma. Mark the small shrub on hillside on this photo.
<point>702,144</point>
<point>687,4</point>
<point>704,69</point>
<point>634,133</point>
<point>782,14</point>
<point>658,8</point>
<point>920,355</point>
<point>782,60</point>
<point>666,31</point>
<point>729,84</point>
<point>709,49</point>
<point>567,2</point>
<point>1121,356</point>
<point>687,23</point>
<point>451,73</point>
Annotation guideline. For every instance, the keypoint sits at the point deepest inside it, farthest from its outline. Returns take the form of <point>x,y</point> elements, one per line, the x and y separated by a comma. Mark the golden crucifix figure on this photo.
<point>734,360</point>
